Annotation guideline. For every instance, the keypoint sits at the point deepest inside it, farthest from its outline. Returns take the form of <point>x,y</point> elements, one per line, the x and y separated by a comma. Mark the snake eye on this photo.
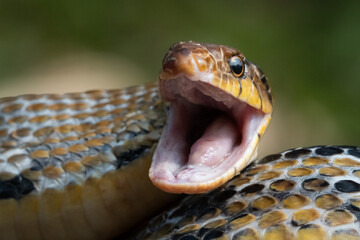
<point>236,65</point>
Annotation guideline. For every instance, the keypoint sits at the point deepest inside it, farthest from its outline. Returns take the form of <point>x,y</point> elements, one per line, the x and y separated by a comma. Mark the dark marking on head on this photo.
<point>265,82</point>
<point>270,97</point>
<point>240,88</point>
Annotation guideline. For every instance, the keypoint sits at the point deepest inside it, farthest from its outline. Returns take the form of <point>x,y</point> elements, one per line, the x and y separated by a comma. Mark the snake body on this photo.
<point>302,193</point>
<point>75,166</point>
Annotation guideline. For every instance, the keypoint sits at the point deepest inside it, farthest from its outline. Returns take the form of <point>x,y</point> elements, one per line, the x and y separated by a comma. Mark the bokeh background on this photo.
<point>310,51</point>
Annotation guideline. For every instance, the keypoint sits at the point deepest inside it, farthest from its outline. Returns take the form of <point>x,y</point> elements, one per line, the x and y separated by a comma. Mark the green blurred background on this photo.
<point>309,50</point>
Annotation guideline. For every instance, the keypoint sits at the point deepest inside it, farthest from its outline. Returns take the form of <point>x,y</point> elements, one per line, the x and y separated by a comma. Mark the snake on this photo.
<point>96,164</point>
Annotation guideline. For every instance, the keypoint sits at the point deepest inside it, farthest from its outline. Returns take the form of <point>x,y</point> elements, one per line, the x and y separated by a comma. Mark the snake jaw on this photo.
<point>212,131</point>
<point>192,123</point>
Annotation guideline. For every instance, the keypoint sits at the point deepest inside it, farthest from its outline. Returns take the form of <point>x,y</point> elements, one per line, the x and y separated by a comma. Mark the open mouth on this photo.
<point>220,106</point>
<point>209,137</point>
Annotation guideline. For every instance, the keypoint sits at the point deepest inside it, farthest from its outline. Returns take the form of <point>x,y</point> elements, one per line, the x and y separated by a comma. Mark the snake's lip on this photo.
<point>195,107</point>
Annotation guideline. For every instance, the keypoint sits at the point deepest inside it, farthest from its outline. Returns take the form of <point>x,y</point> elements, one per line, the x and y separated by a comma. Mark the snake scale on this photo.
<point>76,166</point>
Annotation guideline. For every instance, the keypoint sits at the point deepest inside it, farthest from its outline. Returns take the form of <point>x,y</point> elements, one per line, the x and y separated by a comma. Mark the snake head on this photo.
<point>221,105</point>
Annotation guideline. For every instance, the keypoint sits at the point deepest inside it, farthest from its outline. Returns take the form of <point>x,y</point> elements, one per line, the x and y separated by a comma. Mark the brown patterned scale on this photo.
<point>67,162</point>
<point>303,193</point>
<point>73,128</point>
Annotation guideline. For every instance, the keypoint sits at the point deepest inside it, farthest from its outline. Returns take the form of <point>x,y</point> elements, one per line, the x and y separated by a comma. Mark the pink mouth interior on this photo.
<point>206,134</point>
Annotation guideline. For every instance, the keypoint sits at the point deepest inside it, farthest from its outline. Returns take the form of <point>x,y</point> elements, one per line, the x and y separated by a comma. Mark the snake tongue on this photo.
<point>215,144</point>
<point>213,147</point>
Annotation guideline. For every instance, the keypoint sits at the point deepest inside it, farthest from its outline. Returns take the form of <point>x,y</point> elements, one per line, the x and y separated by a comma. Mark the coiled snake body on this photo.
<point>75,166</point>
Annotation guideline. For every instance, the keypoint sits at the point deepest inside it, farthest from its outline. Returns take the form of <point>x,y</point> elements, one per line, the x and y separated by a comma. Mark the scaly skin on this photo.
<point>75,166</point>
<point>303,193</point>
